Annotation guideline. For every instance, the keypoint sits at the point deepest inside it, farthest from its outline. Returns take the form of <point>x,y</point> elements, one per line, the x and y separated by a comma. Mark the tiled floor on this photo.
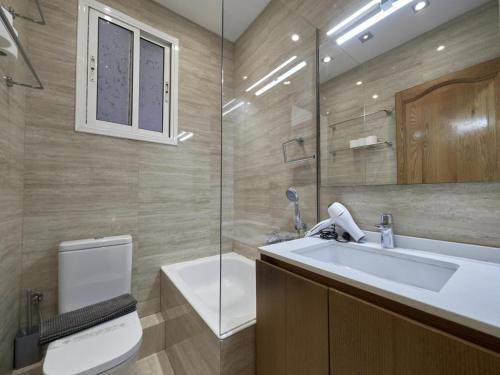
<point>155,364</point>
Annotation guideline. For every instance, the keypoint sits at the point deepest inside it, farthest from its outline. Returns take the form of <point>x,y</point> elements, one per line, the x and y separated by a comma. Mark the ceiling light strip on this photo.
<point>281,78</point>
<point>233,108</point>
<point>229,102</point>
<point>353,17</point>
<point>372,21</point>
<point>271,74</point>
<point>186,137</point>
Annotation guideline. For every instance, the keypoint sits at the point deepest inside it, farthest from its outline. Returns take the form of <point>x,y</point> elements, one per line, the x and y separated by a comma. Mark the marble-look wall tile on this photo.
<point>81,185</point>
<point>450,212</point>
<point>260,127</point>
<point>153,331</point>
<point>12,124</point>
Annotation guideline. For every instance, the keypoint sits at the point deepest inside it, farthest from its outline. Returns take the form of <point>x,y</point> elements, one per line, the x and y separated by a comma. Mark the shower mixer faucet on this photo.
<point>293,196</point>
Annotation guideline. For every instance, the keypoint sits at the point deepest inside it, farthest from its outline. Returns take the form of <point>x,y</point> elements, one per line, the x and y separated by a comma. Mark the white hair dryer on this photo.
<point>339,215</point>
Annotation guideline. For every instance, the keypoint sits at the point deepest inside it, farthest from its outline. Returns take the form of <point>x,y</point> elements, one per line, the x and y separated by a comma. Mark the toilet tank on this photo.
<point>93,270</point>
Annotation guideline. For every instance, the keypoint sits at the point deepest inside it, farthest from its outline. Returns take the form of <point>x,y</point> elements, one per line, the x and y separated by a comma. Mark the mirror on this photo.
<point>408,93</point>
<point>15,65</point>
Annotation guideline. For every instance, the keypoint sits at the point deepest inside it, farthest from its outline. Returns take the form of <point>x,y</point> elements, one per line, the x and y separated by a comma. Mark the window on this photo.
<point>126,77</point>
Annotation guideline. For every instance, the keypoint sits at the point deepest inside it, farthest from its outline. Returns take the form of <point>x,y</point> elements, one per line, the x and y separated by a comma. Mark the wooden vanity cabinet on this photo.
<point>307,327</point>
<point>367,339</point>
<point>292,324</point>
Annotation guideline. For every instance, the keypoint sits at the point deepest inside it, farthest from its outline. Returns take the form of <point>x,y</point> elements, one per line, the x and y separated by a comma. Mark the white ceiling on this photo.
<point>395,30</point>
<point>238,14</point>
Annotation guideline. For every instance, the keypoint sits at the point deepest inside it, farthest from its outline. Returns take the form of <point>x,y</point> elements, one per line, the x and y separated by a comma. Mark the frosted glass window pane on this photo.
<point>114,73</point>
<point>151,83</point>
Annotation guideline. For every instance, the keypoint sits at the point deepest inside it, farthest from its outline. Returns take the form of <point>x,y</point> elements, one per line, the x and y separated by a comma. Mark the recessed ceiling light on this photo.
<point>375,96</point>
<point>287,82</point>
<point>295,37</point>
<point>440,48</point>
<point>420,5</point>
<point>328,113</point>
<point>359,83</point>
<point>327,59</point>
<point>245,78</point>
<point>365,37</point>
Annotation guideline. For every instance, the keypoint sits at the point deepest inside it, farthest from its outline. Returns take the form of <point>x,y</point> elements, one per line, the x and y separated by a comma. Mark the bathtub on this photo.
<point>190,295</point>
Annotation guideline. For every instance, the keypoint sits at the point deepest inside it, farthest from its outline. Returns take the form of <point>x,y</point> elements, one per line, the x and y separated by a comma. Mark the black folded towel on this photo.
<point>78,320</point>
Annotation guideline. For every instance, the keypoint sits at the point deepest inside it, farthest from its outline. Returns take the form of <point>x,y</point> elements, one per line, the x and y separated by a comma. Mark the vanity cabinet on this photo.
<point>367,339</point>
<point>316,327</point>
<point>292,323</point>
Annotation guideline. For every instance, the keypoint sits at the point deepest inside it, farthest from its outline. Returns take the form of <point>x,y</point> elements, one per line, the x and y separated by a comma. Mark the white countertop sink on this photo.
<point>411,270</point>
<point>458,282</point>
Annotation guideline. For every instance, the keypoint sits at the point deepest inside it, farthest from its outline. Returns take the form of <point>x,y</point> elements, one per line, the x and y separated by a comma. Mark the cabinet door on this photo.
<point>271,321</point>
<point>292,323</point>
<point>368,340</point>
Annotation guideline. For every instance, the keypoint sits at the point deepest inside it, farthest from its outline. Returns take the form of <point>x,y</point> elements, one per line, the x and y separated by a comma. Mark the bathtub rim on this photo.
<point>171,271</point>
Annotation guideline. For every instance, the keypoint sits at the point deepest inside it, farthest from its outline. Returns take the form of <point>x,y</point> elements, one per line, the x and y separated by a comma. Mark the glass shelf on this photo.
<point>15,66</point>
<point>378,144</point>
<point>30,10</point>
<point>388,112</point>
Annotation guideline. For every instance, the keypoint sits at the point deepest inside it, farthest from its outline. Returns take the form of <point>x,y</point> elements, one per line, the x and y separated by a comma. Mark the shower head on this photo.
<point>292,194</point>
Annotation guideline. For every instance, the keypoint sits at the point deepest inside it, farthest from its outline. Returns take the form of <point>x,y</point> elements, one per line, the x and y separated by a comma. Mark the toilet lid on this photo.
<point>96,349</point>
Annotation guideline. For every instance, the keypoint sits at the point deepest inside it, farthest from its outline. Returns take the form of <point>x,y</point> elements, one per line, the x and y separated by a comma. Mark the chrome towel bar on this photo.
<point>299,141</point>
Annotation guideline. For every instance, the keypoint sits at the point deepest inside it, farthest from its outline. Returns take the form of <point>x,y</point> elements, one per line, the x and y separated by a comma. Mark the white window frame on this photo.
<point>86,86</point>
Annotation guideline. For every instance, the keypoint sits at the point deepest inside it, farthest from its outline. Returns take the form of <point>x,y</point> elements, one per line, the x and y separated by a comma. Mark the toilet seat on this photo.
<point>95,350</point>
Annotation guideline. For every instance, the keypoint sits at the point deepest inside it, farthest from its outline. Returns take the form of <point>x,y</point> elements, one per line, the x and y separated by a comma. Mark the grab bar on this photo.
<point>300,141</point>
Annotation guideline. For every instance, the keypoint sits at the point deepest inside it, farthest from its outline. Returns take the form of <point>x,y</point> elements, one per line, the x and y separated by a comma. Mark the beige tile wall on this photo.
<point>12,123</point>
<point>456,212</point>
<point>11,206</point>
<point>261,126</point>
<point>80,185</point>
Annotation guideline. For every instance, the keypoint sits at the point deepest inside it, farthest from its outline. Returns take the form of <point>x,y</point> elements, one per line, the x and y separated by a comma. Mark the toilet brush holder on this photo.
<point>27,348</point>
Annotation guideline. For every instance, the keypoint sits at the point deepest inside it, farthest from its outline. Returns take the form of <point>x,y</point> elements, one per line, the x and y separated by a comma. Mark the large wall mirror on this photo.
<point>410,93</point>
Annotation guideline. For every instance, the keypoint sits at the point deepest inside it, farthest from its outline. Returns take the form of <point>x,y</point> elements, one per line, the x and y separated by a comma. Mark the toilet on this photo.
<point>92,271</point>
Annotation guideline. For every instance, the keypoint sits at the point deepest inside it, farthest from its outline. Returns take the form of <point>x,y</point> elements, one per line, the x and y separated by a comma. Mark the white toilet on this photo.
<point>92,271</point>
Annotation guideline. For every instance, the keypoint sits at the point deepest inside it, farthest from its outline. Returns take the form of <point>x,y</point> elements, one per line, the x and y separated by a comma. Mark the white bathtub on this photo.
<point>198,282</point>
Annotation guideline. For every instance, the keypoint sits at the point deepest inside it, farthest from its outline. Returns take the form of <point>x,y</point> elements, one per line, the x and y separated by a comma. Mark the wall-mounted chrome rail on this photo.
<point>382,143</point>
<point>7,78</point>
<point>299,141</point>
<point>38,5</point>
<point>388,112</point>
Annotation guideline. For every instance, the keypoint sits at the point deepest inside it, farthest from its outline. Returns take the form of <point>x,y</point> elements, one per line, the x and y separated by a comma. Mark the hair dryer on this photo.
<point>339,215</point>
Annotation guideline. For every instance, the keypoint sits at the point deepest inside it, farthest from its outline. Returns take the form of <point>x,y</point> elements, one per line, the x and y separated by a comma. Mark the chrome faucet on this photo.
<point>386,229</point>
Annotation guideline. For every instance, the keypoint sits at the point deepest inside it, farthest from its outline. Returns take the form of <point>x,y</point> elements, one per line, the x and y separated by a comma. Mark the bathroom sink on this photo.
<point>405,269</point>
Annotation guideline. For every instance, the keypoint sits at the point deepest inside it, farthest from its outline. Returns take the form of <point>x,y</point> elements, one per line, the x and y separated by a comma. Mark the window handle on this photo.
<point>92,69</point>
<point>167,91</point>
